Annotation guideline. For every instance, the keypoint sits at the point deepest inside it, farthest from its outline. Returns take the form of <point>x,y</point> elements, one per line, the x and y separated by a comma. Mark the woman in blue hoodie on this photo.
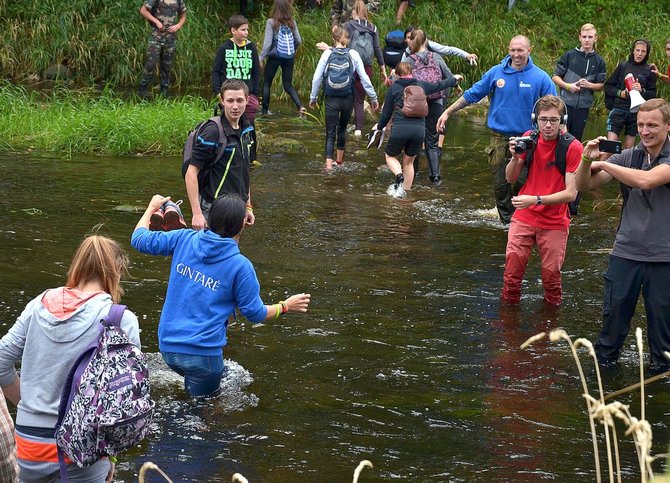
<point>209,278</point>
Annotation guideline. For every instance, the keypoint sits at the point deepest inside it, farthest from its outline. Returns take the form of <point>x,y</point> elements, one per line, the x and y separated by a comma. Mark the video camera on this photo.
<point>526,143</point>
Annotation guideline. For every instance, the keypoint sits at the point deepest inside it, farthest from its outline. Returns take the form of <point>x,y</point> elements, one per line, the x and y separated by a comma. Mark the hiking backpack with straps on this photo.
<point>105,405</point>
<point>192,139</point>
<point>427,70</point>
<point>394,48</point>
<point>284,41</point>
<point>560,153</point>
<point>414,102</point>
<point>338,76</point>
<point>361,42</point>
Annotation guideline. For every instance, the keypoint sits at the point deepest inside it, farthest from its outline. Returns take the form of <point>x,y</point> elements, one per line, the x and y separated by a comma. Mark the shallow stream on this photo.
<point>405,357</point>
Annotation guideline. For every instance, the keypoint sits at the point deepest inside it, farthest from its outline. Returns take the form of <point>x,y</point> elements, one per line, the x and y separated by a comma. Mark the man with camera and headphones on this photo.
<point>541,217</point>
<point>640,258</point>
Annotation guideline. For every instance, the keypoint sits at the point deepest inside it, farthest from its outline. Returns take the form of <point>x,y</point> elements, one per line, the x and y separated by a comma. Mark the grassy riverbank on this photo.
<point>95,122</point>
<point>104,45</point>
<point>105,42</point>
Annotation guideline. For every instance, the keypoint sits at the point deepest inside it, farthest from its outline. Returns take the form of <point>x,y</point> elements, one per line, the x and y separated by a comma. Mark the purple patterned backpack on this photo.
<point>427,70</point>
<point>105,405</point>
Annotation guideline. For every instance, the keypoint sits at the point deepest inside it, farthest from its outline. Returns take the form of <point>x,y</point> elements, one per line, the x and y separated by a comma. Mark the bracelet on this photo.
<point>250,208</point>
<point>284,307</point>
<point>586,160</point>
<point>277,310</point>
<point>112,459</point>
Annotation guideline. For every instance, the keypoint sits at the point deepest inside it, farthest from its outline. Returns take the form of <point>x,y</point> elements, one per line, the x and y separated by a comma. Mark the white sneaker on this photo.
<point>358,133</point>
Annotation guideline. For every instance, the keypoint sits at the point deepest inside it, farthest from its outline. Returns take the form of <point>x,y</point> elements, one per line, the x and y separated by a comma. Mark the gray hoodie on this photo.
<point>48,346</point>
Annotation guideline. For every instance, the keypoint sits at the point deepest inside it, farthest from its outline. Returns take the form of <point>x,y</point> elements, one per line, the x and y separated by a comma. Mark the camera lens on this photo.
<point>520,147</point>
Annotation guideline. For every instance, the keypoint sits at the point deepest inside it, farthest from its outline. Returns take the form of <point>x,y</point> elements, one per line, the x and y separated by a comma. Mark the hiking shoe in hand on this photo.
<point>157,220</point>
<point>358,133</point>
<point>174,220</point>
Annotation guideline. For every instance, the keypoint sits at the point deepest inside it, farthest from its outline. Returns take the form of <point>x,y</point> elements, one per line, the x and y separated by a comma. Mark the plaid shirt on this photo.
<point>9,470</point>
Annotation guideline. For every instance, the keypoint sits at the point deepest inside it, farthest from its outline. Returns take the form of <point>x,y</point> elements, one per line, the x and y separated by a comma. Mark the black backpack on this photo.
<point>192,139</point>
<point>561,153</point>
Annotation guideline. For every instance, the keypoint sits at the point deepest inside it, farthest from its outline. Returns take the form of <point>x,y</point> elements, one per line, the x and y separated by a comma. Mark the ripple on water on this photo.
<point>453,212</point>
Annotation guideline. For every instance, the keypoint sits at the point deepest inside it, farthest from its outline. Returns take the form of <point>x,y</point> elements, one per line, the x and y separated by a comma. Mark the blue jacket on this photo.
<point>512,94</point>
<point>209,277</point>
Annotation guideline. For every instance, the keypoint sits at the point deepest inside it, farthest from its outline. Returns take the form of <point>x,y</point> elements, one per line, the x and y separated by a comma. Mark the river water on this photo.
<point>405,357</point>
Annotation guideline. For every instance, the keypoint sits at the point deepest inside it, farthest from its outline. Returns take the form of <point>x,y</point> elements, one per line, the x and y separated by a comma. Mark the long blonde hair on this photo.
<point>101,259</point>
<point>361,9</point>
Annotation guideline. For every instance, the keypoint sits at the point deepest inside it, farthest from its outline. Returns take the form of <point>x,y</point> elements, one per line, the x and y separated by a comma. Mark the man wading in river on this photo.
<point>640,258</point>
<point>513,86</point>
<point>206,179</point>
<point>541,217</point>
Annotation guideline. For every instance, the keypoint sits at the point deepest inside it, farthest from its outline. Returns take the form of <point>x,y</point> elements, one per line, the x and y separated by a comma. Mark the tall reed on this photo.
<point>105,42</point>
<point>606,414</point>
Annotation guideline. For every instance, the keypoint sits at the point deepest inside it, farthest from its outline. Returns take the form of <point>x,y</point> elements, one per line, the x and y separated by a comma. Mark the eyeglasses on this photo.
<point>551,120</point>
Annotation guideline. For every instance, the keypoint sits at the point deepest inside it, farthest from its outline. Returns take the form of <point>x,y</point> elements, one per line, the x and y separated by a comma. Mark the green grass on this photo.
<point>105,44</point>
<point>95,123</point>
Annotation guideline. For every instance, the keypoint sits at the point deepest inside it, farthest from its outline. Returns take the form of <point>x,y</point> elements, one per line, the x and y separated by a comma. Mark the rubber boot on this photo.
<point>416,164</point>
<point>434,165</point>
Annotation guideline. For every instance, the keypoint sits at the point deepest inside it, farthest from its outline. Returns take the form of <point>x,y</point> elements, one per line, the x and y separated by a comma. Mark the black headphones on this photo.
<point>564,117</point>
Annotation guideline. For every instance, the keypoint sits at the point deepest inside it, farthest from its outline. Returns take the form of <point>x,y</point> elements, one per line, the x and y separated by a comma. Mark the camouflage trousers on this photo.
<point>160,50</point>
<point>499,155</point>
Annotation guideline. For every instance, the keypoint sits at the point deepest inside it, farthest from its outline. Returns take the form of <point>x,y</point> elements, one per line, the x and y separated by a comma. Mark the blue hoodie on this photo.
<point>512,95</point>
<point>209,277</point>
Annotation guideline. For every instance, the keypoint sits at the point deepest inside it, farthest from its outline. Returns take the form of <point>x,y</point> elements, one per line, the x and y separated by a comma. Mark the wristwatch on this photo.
<point>539,200</point>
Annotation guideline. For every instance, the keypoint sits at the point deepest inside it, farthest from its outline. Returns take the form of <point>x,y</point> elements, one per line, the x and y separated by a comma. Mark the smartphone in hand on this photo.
<point>607,146</point>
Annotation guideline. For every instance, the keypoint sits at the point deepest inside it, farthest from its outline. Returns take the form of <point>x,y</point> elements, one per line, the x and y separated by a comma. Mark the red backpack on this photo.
<point>427,70</point>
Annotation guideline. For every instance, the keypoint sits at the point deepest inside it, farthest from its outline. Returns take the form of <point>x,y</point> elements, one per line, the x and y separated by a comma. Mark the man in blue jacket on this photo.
<point>513,87</point>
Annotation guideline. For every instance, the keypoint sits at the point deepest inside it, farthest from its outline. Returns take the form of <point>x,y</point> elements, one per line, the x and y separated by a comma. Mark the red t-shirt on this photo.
<point>544,178</point>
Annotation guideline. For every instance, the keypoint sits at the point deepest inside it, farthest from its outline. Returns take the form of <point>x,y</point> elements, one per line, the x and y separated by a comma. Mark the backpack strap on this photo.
<point>115,315</point>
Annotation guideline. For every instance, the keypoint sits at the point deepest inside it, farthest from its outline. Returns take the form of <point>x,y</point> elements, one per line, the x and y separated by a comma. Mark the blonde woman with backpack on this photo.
<point>336,70</point>
<point>406,101</point>
<point>48,337</point>
<point>282,38</point>
<point>364,39</point>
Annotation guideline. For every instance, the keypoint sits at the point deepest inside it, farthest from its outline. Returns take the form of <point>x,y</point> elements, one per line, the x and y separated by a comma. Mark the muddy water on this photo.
<point>405,358</point>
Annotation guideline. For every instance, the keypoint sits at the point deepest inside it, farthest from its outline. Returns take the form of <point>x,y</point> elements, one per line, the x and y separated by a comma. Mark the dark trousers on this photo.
<point>434,112</point>
<point>338,113</point>
<point>577,121</point>
<point>624,279</point>
<point>271,66</point>
<point>359,98</point>
<point>499,155</point>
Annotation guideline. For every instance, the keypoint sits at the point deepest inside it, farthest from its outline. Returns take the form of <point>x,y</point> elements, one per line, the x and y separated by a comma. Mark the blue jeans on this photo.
<point>202,374</point>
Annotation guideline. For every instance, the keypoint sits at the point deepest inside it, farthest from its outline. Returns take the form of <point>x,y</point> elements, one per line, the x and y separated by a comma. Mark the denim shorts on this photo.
<point>202,374</point>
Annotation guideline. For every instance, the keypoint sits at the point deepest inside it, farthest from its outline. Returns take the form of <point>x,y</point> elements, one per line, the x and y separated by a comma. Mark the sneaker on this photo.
<point>358,133</point>
<point>436,180</point>
<point>157,221</point>
<point>174,220</point>
<point>302,111</point>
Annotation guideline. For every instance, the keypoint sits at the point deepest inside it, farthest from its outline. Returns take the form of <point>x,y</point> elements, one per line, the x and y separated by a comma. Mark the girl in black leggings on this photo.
<point>281,15</point>
<point>339,104</point>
